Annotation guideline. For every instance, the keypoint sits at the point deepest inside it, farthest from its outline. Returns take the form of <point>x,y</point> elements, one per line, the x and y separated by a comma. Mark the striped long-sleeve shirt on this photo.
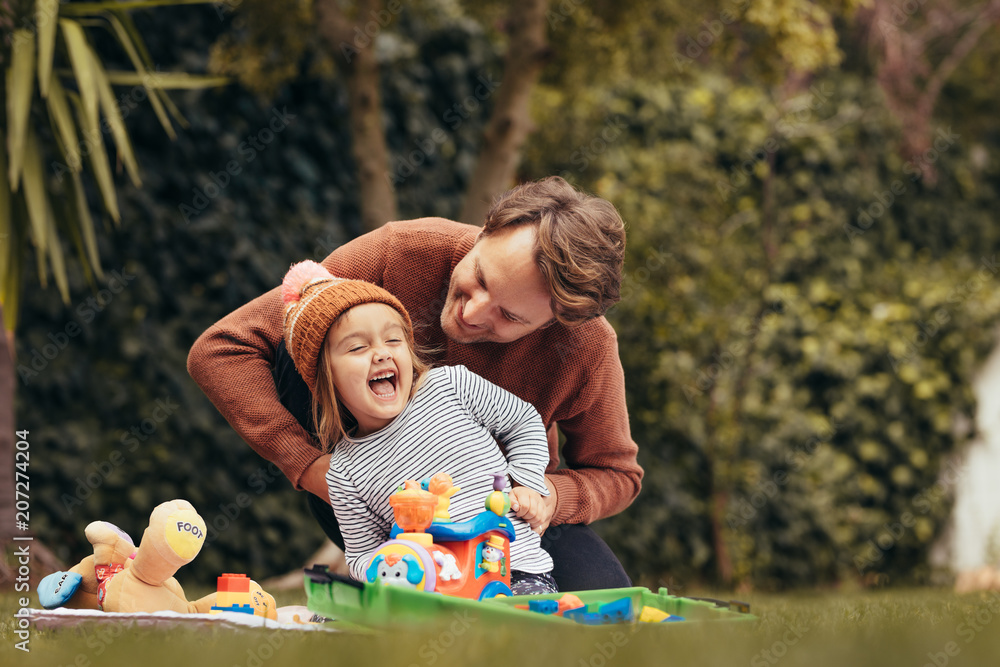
<point>448,426</point>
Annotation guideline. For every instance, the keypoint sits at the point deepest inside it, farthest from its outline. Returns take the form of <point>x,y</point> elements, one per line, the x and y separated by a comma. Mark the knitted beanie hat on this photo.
<point>314,299</point>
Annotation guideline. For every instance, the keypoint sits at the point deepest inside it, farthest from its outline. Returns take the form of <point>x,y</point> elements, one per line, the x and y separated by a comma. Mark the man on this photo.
<point>520,302</point>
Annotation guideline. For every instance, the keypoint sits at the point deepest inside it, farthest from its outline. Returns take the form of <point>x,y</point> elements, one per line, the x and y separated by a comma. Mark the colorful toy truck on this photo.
<point>429,552</point>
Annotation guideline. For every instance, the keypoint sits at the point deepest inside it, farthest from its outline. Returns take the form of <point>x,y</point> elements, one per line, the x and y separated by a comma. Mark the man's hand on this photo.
<point>533,507</point>
<point>314,478</point>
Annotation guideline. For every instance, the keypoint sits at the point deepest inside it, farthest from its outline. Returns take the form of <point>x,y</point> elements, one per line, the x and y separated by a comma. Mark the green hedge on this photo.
<point>798,373</point>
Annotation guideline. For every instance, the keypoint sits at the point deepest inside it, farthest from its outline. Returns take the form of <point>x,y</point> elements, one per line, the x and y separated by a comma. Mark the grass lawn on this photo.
<point>910,627</point>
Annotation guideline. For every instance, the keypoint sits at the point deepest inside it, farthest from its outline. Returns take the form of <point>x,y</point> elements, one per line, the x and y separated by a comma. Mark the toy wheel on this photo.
<point>493,589</point>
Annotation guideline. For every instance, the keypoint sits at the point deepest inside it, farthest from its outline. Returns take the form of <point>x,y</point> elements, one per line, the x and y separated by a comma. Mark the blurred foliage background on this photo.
<point>810,283</point>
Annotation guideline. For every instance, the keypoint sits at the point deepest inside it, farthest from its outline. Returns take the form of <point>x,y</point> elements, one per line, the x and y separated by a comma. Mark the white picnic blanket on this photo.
<point>293,617</point>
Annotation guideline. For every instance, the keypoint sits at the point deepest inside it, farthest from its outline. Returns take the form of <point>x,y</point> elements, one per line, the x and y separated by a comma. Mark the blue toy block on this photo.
<point>241,608</point>
<point>619,611</point>
<point>543,606</point>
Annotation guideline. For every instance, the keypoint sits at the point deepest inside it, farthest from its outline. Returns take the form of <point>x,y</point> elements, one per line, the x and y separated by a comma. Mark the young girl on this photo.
<point>388,418</point>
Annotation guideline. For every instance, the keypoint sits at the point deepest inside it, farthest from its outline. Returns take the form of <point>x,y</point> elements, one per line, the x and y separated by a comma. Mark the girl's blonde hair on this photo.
<point>327,410</point>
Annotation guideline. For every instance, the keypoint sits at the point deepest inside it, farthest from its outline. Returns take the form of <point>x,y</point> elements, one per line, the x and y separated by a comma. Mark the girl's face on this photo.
<point>372,366</point>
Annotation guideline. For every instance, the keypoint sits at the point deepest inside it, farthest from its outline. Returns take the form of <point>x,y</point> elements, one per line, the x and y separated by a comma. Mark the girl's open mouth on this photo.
<point>383,385</point>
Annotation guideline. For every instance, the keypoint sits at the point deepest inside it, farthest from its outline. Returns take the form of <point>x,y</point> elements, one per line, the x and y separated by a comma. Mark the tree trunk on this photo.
<point>354,49</point>
<point>510,123</point>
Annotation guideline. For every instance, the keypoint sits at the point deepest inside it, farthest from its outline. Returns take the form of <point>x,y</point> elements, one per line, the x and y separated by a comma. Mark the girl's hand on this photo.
<point>531,506</point>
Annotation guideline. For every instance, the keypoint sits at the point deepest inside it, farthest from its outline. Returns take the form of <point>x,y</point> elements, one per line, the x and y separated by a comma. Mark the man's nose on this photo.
<point>476,309</point>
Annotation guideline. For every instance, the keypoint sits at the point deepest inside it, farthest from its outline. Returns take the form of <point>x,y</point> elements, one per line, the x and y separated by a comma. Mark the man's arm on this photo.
<point>602,476</point>
<point>232,361</point>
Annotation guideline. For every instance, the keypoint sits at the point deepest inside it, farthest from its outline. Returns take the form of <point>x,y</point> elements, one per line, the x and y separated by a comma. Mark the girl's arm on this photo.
<point>363,530</point>
<point>513,422</point>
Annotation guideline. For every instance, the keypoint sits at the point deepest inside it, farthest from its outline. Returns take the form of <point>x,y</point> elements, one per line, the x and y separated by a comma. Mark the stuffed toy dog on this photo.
<point>120,578</point>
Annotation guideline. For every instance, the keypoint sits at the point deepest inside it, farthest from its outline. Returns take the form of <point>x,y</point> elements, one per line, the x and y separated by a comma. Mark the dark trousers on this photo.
<point>582,561</point>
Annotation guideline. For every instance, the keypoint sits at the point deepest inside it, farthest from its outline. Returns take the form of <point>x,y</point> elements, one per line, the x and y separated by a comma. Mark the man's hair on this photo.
<point>331,419</point>
<point>579,247</point>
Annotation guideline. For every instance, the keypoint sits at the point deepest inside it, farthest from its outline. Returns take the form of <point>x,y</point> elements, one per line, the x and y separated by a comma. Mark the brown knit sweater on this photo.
<point>572,376</point>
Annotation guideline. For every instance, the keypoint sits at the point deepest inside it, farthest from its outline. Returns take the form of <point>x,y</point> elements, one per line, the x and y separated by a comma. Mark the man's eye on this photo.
<point>511,318</point>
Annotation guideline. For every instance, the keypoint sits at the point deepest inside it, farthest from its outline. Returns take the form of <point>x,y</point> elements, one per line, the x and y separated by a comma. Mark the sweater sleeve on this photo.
<point>602,476</point>
<point>363,530</point>
<point>513,422</point>
<point>232,361</point>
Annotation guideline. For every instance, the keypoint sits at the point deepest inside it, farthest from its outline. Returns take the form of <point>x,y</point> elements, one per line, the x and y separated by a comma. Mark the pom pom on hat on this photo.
<point>314,299</point>
<point>299,276</point>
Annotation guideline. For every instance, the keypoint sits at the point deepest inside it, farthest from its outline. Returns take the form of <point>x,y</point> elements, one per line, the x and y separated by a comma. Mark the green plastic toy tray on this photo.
<point>369,605</point>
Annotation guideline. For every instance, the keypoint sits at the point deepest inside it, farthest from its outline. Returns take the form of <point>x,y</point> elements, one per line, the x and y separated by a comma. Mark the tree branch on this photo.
<point>510,122</point>
<point>983,22</point>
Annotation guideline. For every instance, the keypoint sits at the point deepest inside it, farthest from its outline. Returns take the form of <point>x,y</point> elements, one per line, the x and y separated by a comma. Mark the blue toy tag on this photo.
<point>57,588</point>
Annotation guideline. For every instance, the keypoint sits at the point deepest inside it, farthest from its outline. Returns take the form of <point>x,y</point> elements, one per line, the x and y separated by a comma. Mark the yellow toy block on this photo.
<point>652,615</point>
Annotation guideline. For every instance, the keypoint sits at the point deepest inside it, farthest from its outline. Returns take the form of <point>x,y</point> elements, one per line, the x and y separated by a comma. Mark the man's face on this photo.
<point>496,293</point>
